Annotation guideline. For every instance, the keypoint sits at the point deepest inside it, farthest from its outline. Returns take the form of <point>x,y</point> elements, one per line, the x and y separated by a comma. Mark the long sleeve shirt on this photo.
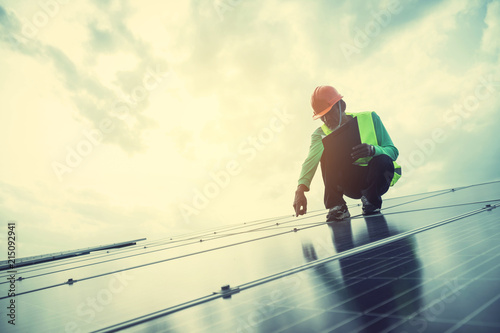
<point>384,146</point>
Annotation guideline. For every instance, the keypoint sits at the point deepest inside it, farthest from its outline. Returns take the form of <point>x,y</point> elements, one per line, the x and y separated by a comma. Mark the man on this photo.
<point>373,168</point>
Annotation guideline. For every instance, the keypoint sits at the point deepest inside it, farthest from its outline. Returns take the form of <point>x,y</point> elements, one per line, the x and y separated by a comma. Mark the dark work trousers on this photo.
<point>354,181</point>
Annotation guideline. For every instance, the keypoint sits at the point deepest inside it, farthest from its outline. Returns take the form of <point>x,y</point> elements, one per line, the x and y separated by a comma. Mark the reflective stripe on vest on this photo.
<point>367,135</point>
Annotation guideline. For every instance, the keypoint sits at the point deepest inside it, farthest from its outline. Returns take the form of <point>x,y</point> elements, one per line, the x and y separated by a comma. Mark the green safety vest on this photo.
<point>367,135</point>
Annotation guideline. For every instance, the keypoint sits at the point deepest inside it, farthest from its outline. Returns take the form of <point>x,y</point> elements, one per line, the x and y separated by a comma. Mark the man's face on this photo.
<point>331,119</point>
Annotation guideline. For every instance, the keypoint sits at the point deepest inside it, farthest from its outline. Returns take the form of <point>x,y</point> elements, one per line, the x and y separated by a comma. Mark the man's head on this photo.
<point>323,99</point>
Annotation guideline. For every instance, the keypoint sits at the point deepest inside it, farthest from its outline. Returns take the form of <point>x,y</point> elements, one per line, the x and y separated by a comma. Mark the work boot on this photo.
<point>368,207</point>
<point>338,213</point>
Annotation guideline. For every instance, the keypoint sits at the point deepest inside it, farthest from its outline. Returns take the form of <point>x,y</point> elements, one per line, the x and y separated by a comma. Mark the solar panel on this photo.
<point>430,262</point>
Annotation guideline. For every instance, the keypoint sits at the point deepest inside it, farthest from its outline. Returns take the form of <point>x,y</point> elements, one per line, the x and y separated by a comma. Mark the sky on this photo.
<point>129,119</point>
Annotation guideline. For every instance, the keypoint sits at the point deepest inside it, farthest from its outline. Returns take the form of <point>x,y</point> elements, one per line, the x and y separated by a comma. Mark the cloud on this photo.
<point>123,106</point>
<point>101,39</point>
<point>11,34</point>
<point>490,43</point>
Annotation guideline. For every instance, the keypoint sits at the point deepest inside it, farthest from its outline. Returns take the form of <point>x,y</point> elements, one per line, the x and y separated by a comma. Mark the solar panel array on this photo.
<point>430,262</point>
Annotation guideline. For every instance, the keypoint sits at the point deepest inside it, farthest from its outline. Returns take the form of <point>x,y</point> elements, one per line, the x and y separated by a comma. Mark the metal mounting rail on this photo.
<point>66,254</point>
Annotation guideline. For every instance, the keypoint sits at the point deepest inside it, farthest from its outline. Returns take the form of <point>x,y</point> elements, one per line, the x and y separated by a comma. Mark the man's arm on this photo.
<point>312,161</point>
<point>307,173</point>
<point>385,145</point>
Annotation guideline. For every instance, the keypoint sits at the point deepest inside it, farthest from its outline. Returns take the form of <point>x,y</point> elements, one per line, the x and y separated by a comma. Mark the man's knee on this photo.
<point>382,162</point>
<point>382,166</point>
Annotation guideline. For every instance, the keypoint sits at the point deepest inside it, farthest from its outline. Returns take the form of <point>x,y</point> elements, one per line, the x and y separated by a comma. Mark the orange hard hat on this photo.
<point>322,100</point>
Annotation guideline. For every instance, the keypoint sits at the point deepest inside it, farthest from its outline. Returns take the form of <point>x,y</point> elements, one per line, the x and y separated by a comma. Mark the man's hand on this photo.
<point>362,150</point>
<point>300,202</point>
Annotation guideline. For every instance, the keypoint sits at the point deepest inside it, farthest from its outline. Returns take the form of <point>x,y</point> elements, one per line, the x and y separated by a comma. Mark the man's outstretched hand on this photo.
<point>362,150</point>
<point>300,202</point>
